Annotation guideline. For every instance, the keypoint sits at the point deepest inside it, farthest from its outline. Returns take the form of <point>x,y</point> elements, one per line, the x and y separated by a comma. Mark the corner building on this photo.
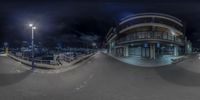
<point>148,35</point>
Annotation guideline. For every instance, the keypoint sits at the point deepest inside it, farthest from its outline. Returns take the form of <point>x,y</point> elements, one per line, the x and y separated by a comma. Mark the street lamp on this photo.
<point>32,43</point>
<point>94,46</point>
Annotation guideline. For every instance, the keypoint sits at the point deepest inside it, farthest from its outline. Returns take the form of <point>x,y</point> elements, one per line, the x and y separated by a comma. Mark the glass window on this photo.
<point>164,35</point>
<point>149,35</point>
<point>169,36</point>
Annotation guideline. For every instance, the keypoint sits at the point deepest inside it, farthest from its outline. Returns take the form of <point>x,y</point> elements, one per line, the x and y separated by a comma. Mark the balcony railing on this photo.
<point>151,20</point>
<point>148,36</point>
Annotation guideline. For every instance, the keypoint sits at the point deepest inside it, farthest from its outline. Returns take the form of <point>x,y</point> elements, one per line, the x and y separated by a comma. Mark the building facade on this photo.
<point>148,35</point>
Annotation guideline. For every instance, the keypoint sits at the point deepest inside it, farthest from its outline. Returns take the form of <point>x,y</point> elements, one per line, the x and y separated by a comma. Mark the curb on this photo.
<point>178,60</point>
<point>174,61</point>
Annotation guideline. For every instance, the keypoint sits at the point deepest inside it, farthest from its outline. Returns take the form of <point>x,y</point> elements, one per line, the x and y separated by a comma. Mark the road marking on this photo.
<point>91,76</point>
<point>84,83</point>
<point>18,71</point>
<point>77,89</point>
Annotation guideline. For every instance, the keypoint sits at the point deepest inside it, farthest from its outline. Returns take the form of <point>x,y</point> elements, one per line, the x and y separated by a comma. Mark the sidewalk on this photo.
<point>145,62</point>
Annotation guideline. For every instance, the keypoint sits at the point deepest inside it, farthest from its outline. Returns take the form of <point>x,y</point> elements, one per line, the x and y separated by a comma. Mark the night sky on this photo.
<point>83,22</point>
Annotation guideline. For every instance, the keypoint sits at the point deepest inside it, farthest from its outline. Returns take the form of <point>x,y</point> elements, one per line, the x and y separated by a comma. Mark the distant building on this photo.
<point>149,35</point>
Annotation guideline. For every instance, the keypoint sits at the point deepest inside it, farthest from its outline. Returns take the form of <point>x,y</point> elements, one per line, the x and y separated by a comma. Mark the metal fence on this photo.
<point>50,62</point>
<point>66,58</point>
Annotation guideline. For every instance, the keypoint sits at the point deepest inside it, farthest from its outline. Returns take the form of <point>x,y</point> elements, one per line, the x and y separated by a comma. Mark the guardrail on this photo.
<point>49,62</point>
<point>69,59</point>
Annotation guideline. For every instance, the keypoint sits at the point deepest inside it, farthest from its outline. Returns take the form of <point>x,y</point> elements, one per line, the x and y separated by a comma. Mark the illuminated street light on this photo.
<point>31,25</point>
<point>32,43</point>
<point>34,28</point>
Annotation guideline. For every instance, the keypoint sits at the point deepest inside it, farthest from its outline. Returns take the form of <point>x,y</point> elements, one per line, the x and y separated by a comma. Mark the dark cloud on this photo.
<point>86,20</point>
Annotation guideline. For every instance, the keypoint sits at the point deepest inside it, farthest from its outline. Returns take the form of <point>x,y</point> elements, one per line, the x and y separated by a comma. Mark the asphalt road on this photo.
<point>102,78</point>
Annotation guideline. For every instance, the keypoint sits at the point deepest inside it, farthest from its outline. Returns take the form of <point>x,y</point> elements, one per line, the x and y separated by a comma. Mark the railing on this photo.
<point>150,36</point>
<point>72,58</point>
<point>150,20</point>
<point>59,60</point>
<point>39,61</point>
<point>152,14</point>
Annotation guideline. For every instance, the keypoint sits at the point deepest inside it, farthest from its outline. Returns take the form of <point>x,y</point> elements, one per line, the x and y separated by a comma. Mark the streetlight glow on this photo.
<point>31,25</point>
<point>173,33</point>
<point>32,43</point>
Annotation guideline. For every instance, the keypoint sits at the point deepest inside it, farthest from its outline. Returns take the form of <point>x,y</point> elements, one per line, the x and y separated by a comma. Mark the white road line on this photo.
<point>91,76</point>
<point>84,83</point>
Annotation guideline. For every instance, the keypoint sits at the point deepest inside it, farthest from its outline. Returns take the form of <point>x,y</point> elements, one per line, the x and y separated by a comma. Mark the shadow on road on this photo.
<point>9,79</point>
<point>178,75</point>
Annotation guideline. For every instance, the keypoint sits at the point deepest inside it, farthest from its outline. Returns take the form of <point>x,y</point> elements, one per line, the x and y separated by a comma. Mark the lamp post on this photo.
<point>94,46</point>
<point>32,43</point>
